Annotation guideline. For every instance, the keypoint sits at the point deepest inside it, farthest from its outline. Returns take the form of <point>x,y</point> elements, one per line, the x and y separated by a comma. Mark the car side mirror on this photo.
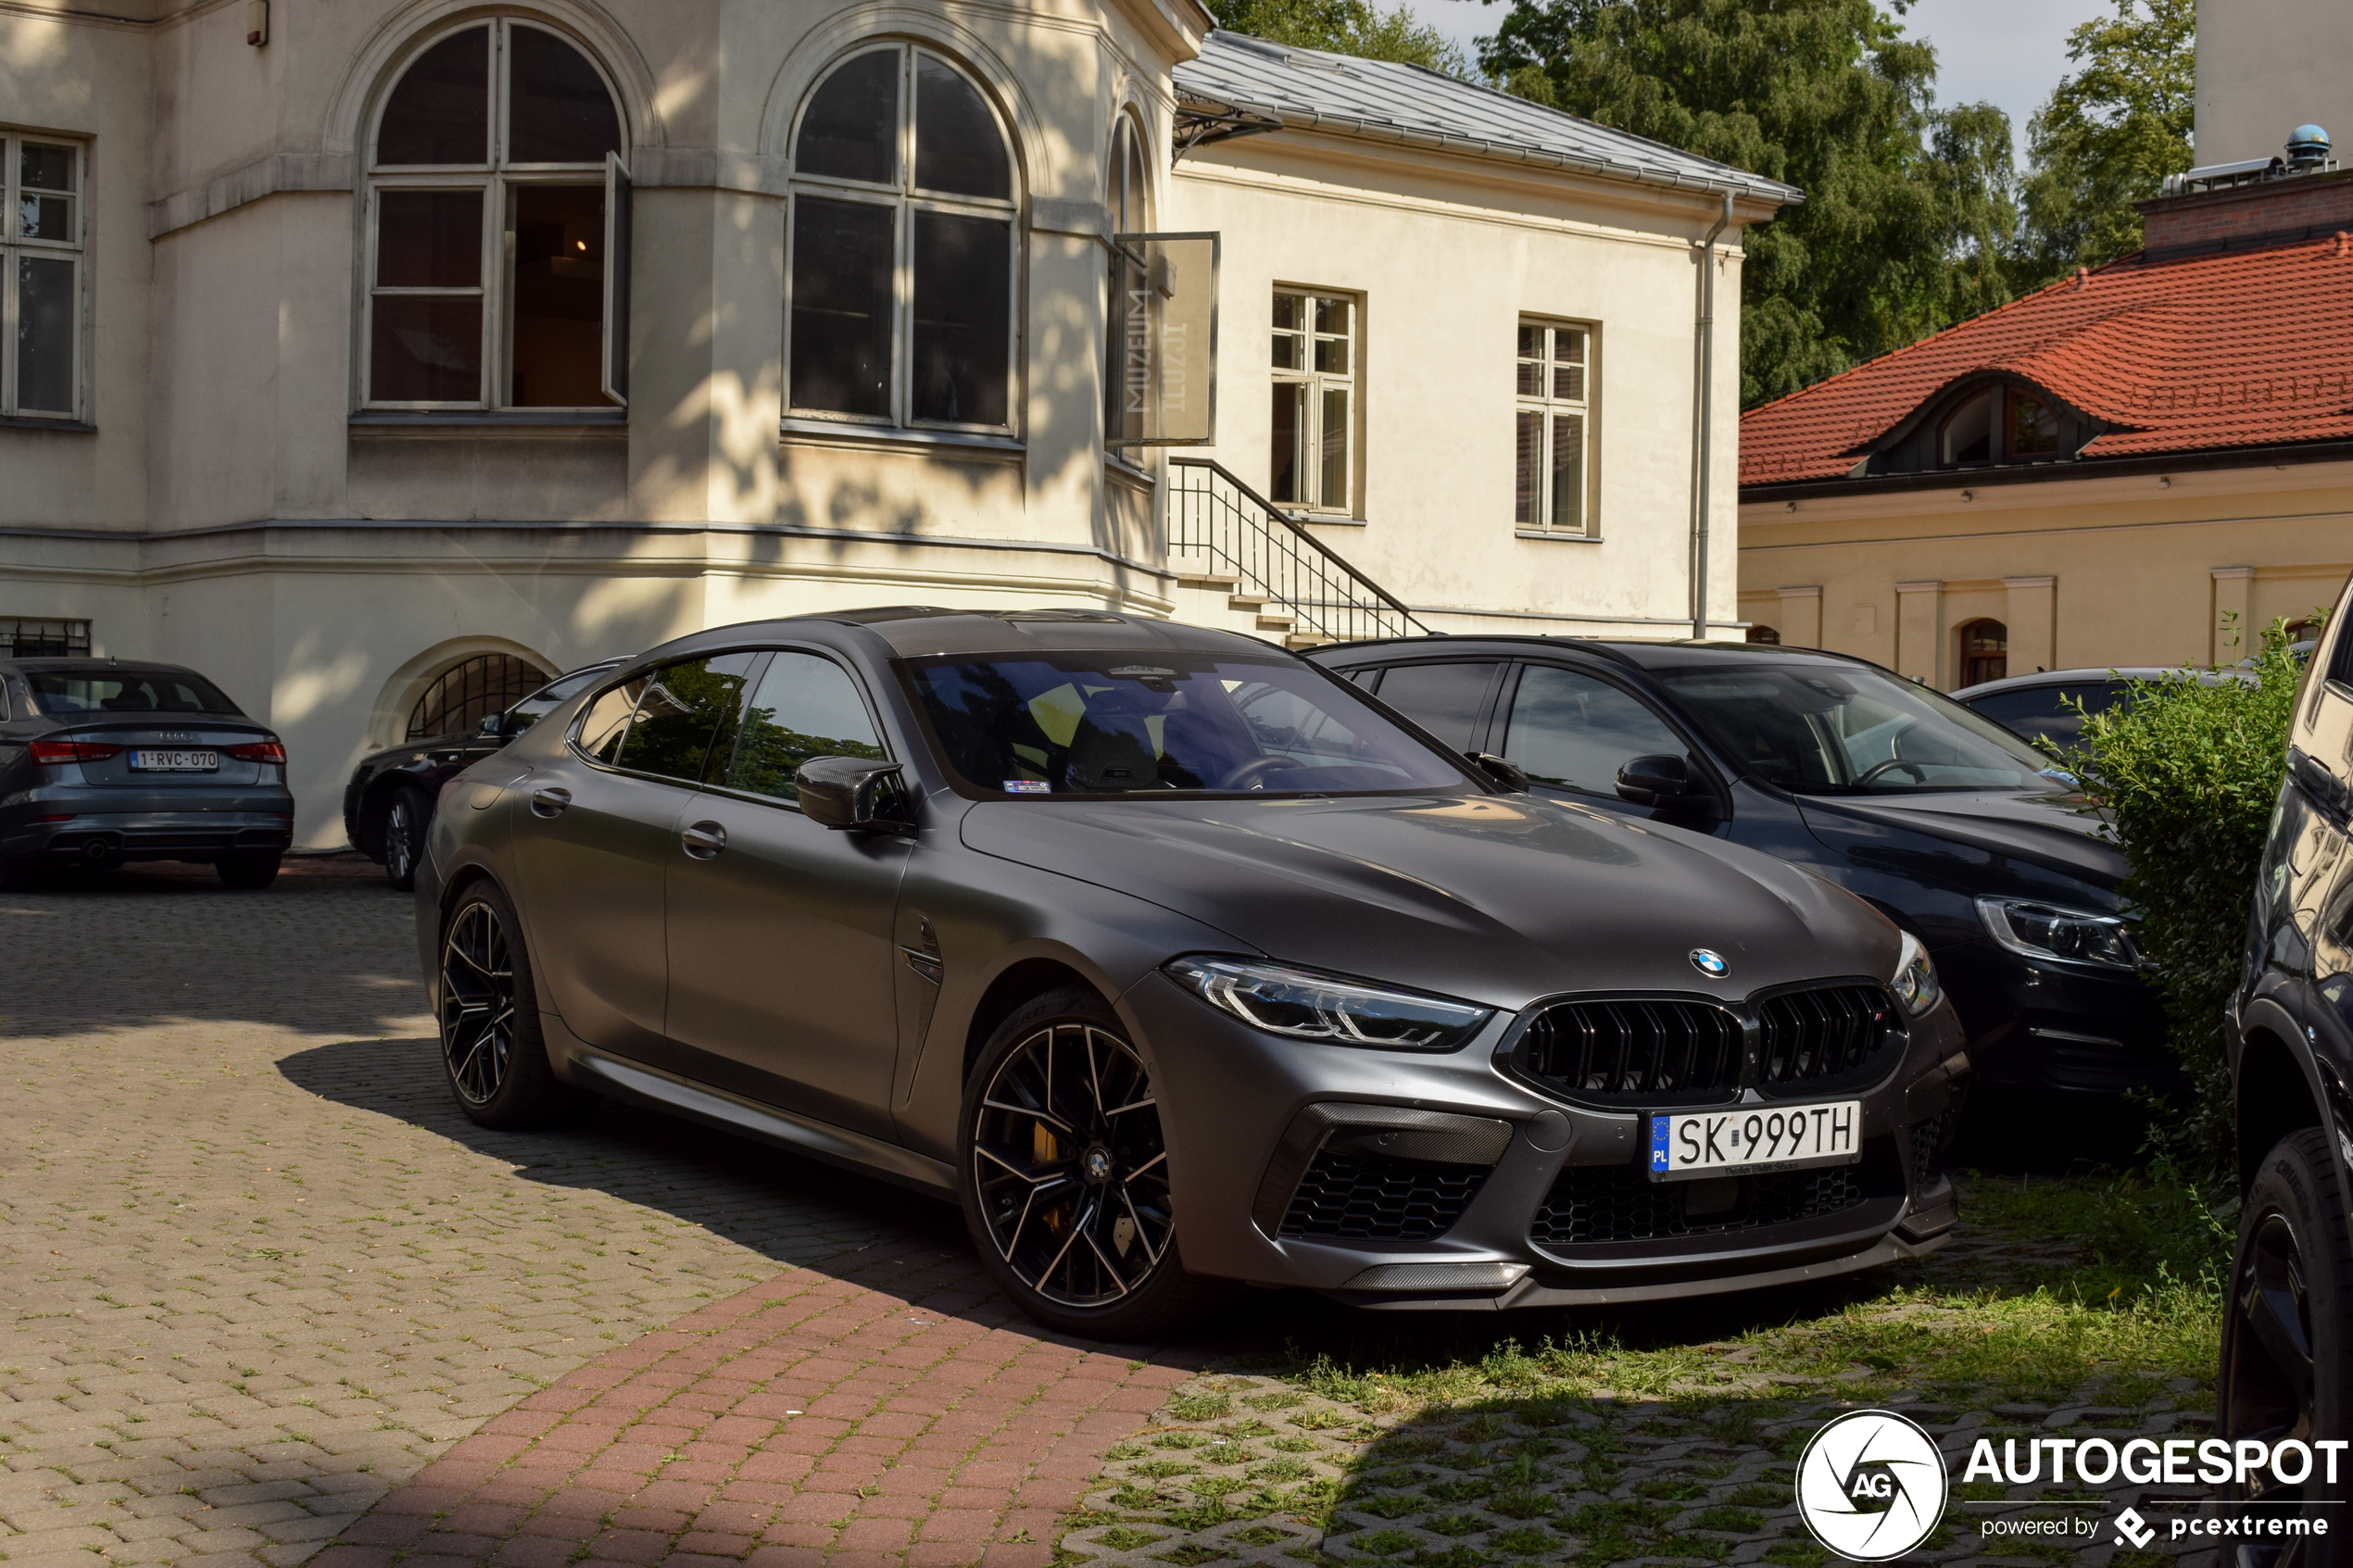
<point>1660,781</point>
<point>846,793</point>
<point>1501,769</point>
<point>493,725</point>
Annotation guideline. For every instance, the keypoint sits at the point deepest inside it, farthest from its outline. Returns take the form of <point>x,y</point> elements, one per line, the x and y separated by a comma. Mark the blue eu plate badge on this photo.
<point>1658,1144</point>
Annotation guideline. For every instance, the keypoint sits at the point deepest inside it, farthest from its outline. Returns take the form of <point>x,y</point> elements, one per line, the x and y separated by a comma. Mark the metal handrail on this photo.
<point>1326,595</point>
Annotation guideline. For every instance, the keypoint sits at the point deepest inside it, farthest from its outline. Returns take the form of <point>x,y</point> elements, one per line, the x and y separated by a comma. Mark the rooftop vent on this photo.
<point>2308,153</point>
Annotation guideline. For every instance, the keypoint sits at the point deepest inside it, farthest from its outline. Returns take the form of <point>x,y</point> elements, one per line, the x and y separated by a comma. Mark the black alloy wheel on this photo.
<point>1066,1173</point>
<point>2287,1332</point>
<point>405,822</point>
<point>477,1003</point>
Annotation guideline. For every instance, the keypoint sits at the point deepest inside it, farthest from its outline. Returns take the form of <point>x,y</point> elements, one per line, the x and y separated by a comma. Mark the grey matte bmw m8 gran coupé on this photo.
<point>1174,960</point>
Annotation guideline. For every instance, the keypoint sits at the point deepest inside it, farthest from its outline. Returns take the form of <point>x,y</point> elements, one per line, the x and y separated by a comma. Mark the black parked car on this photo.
<point>2050,707</point>
<point>390,798</point>
<point>1172,958</point>
<point>104,761</point>
<point>1957,830</point>
<point>2287,1334</point>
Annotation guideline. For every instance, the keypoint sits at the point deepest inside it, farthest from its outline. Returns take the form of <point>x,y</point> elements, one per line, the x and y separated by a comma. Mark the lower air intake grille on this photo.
<point>1600,1203</point>
<point>1928,1144</point>
<point>1368,1197</point>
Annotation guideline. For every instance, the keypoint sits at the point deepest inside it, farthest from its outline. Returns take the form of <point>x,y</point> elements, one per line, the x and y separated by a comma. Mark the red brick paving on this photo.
<point>937,1427</point>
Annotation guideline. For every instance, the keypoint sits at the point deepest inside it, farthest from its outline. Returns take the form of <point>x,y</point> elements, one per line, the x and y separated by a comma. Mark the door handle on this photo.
<point>703,840</point>
<point>549,802</point>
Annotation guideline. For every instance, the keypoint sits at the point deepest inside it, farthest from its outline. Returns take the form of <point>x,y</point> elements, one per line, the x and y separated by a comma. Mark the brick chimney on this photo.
<point>2285,207</point>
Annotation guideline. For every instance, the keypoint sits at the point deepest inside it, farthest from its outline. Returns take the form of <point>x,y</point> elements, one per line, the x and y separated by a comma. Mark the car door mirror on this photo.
<point>1501,769</point>
<point>1660,780</point>
<point>493,726</point>
<point>854,792</point>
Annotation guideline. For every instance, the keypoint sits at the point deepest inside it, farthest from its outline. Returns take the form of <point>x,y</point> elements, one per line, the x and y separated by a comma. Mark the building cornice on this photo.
<point>2061,472</point>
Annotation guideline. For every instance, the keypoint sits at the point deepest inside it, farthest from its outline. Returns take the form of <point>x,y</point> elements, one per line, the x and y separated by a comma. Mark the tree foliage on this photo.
<point>1346,27</point>
<point>2186,774</point>
<point>2109,136</point>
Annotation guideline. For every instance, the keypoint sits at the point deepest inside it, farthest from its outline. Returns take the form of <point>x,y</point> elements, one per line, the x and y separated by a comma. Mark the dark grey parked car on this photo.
<point>104,761</point>
<point>1172,959</point>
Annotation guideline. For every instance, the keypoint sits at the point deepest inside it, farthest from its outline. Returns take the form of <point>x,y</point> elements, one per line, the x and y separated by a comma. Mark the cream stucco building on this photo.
<point>375,356</point>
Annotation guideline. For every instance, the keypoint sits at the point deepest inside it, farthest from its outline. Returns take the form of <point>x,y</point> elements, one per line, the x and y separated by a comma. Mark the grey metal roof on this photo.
<point>1385,101</point>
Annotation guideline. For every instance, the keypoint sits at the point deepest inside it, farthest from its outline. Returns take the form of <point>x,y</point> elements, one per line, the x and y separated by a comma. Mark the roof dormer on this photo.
<point>1986,420</point>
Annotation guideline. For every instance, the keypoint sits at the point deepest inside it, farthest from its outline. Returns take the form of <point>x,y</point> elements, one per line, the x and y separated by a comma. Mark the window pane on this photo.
<point>841,267</point>
<point>957,144</point>
<point>428,239</point>
<point>1331,356</point>
<point>44,167</point>
<point>559,296</point>
<point>1531,380</point>
<point>1969,436</point>
<point>1573,730</point>
<point>1532,342</point>
<point>1335,448</point>
<point>852,128</point>
<point>44,334</point>
<point>1290,352</point>
<point>2034,426</point>
<point>425,350</point>
<point>602,726</point>
<point>1286,464</point>
<point>1332,315</point>
<point>1529,462</point>
<point>686,714</point>
<point>558,110</point>
<point>806,706</point>
<point>1290,313</point>
<point>1442,699</point>
<point>1139,185</point>
<point>440,113</point>
<point>1569,472</point>
<point>964,301</point>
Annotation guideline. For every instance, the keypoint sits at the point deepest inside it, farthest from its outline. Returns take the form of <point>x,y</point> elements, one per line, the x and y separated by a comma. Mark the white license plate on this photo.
<point>1748,1138</point>
<point>176,762</point>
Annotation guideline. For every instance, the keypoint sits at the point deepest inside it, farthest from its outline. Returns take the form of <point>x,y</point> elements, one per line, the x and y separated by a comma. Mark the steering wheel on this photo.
<point>1249,774</point>
<point>1918,773</point>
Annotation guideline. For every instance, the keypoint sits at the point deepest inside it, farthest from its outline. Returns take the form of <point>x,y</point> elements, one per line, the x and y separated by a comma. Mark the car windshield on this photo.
<point>1123,724</point>
<point>550,697</point>
<point>60,692</point>
<point>1815,730</point>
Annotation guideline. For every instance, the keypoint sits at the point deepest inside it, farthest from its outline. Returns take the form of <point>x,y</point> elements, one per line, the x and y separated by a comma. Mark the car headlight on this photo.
<point>2046,931</point>
<point>1305,1005</point>
<point>1914,983</point>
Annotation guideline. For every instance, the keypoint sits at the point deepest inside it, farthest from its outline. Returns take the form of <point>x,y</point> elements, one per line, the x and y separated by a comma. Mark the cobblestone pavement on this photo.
<point>258,1269</point>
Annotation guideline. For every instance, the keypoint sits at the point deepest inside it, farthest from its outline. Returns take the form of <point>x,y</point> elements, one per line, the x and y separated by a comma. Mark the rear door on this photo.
<point>1451,697</point>
<point>595,836</point>
<point>1570,731</point>
<point>780,930</point>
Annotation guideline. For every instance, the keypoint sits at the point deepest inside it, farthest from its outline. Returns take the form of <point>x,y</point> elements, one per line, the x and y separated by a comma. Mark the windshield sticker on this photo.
<point>1028,786</point>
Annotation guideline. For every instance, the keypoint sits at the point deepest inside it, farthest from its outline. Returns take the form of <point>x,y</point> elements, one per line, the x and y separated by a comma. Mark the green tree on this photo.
<point>1909,212</point>
<point>2109,136</point>
<point>1346,27</point>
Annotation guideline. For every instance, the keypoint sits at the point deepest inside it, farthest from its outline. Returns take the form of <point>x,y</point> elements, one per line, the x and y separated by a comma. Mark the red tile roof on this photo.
<point>2184,354</point>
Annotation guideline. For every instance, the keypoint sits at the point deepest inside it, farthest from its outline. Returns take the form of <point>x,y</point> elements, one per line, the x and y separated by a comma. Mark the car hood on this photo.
<point>2051,830</point>
<point>1497,899</point>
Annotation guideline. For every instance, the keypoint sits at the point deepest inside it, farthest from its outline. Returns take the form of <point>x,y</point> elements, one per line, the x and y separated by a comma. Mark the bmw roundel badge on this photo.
<point>1711,964</point>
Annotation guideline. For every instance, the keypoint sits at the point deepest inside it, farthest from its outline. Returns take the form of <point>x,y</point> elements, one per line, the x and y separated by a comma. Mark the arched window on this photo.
<point>2000,425</point>
<point>1985,652</point>
<point>1967,436</point>
<point>899,286</point>
<point>461,697</point>
<point>1766,634</point>
<point>494,179</point>
<point>1127,193</point>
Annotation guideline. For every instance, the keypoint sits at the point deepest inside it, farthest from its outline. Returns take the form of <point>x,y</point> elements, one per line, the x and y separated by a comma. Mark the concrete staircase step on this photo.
<point>1275,622</point>
<point>1304,640</point>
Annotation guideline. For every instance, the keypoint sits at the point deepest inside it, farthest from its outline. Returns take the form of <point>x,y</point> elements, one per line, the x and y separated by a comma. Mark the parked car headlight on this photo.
<point>1914,983</point>
<point>2046,931</point>
<point>1305,1005</point>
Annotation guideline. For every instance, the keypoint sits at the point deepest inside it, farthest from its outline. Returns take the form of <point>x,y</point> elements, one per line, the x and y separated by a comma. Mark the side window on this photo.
<point>806,706</point>
<point>1572,729</point>
<point>607,719</point>
<point>1445,699</point>
<point>685,713</point>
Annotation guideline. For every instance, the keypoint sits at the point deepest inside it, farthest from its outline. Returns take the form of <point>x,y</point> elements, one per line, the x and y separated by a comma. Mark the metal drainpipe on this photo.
<point>1702,406</point>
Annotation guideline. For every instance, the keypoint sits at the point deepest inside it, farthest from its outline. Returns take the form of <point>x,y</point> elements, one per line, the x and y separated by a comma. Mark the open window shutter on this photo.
<point>617,230</point>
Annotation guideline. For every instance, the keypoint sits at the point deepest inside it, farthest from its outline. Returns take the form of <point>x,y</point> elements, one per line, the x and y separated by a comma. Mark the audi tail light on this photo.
<point>72,751</point>
<point>259,751</point>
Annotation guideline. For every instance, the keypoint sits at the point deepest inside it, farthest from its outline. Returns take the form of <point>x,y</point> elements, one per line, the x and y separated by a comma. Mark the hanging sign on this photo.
<point>1165,328</point>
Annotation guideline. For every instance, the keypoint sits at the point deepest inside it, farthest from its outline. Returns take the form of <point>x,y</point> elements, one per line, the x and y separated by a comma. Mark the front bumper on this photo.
<point>2057,1027</point>
<point>1484,1193</point>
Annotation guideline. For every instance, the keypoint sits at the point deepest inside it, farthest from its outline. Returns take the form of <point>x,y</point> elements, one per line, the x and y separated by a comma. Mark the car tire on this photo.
<point>407,816</point>
<point>249,868</point>
<point>493,1053</point>
<point>2288,1327</point>
<point>1066,1195</point>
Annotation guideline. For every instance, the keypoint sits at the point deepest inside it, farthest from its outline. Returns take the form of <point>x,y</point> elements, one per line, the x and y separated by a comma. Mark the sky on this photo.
<point>2012,51</point>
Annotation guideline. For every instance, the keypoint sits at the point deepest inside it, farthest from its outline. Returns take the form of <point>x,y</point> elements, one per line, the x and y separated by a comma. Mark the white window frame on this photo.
<point>15,247</point>
<point>905,201</point>
<point>498,180</point>
<point>1548,403</point>
<point>1308,459</point>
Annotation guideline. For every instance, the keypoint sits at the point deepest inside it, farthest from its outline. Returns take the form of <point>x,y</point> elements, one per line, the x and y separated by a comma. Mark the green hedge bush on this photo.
<point>2185,775</point>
